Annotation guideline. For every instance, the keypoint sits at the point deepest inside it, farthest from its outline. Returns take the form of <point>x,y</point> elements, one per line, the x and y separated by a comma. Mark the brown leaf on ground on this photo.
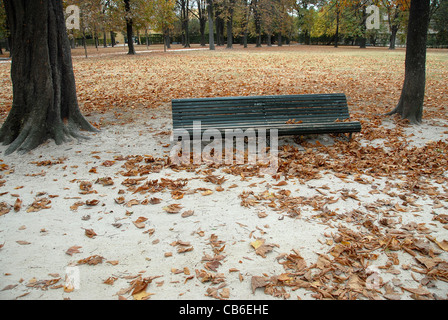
<point>173,208</point>
<point>261,248</point>
<point>92,260</point>
<point>17,205</point>
<point>92,202</point>
<point>187,213</point>
<point>140,222</point>
<point>90,233</point>
<point>258,282</point>
<point>74,249</point>
<point>39,204</point>
<point>4,208</point>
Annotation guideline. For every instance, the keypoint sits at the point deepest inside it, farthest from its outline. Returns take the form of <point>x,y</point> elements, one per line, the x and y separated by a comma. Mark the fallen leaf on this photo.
<point>173,208</point>
<point>155,200</point>
<point>90,233</point>
<point>74,249</point>
<point>110,280</point>
<point>140,222</point>
<point>419,291</point>
<point>281,183</point>
<point>225,293</point>
<point>207,192</point>
<point>23,243</point>
<point>184,249</point>
<point>108,163</point>
<point>261,248</point>
<point>9,287</point>
<point>92,260</point>
<point>258,282</point>
<point>106,181</point>
<point>17,205</point>
<point>119,200</point>
<point>355,283</point>
<point>4,208</point>
<point>92,202</point>
<point>187,213</point>
<point>75,206</point>
<point>39,204</point>
<point>132,202</point>
<point>143,295</point>
<point>140,284</point>
<point>442,244</point>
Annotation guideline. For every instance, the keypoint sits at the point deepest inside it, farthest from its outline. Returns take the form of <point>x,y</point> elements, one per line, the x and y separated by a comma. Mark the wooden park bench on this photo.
<point>290,114</point>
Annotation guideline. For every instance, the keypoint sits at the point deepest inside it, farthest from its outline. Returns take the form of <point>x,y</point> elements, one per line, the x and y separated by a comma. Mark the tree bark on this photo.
<point>44,92</point>
<point>394,26</point>
<point>211,38</point>
<point>201,15</point>
<point>257,20</point>
<point>185,23</point>
<point>363,39</point>
<point>129,25</point>
<point>393,37</point>
<point>230,27</point>
<point>336,36</point>
<point>410,105</point>
<point>104,39</point>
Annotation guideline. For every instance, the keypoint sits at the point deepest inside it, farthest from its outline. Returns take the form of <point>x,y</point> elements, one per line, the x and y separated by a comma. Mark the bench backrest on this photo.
<point>260,109</point>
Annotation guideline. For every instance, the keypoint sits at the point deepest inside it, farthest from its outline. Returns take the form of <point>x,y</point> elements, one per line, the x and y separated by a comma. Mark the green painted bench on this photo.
<point>289,114</point>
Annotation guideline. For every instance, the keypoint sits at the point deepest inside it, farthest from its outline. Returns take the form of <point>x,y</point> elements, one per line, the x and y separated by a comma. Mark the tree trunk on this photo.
<point>219,30</point>
<point>44,91</point>
<point>146,37</point>
<point>410,105</point>
<point>230,29</point>
<point>336,36</point>
<point>257,20</point>
<point>84,41</point>
<point>363,39</point>
<point>202,20</point>
<point>112,39</point>
<point>95,39</point>
<point>104,39</point>
<point>393,37</point>
<point>211,38</point>
<point>185,23</point>
<point>202,23</point>
<point>394,26</point>
<point>129,30</point>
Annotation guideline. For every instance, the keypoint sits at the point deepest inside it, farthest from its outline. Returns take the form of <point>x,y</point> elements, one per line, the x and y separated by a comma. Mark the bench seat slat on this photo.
<point>316,113</point>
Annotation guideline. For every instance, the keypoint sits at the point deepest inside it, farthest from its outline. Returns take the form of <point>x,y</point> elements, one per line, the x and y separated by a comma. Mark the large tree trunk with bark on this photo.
<point>45,105</point>
<point>410,105</point>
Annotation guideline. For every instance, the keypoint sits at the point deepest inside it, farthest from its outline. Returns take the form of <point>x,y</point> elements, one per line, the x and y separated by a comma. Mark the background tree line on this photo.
<point>267,22</point>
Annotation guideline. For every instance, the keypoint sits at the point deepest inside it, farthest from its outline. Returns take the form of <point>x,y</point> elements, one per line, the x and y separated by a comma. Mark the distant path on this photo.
<point>79,52</point>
